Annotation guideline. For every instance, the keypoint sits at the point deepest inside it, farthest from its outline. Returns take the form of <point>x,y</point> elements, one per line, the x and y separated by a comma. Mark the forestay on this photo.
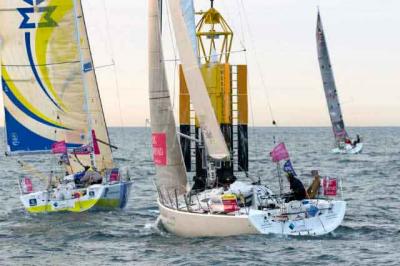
<point>49,93</point>
<point>171,172</point>
<point>331,94</point>
<point>213,138</point>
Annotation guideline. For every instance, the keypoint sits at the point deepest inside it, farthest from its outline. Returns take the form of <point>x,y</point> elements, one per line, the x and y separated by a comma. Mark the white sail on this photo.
<point>43,78</point>
<point>213,138</point>
<point>171,172</point>
<point>190,20</point>
<point>328,79</point>
<point>104,159</point>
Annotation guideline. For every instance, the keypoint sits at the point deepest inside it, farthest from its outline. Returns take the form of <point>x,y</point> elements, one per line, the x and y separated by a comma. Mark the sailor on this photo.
<point>347,141</point>
<point>78,176</point>
<point>313,190</point>
<point>357,140</point>
<point>298,192</point>
<point>91,177</point>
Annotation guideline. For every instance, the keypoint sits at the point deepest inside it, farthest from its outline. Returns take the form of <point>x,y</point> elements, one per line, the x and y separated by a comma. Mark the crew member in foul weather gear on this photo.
<point>357,140</point>
<point>313,189</point>
<point>297,188</point>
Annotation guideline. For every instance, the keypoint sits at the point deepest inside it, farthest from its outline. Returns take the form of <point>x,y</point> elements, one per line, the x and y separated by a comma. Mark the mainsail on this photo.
<point>213,138</point>
<point>171,172</point>
<point>331,95</point>
<point>49,85</point>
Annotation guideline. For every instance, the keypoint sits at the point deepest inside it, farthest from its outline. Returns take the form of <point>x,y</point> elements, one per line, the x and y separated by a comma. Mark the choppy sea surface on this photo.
<point>369,235</point>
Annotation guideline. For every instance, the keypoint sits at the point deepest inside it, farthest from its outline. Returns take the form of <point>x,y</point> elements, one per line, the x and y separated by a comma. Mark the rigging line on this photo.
<point>258,148</point>
<point>175,55</point>
<point>105,66</point>
<point>269,106</point>
<point>242,40</point>
<point>116,82</point>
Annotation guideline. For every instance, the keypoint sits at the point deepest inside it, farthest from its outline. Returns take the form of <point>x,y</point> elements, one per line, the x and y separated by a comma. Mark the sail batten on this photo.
<point>328,79</point>
<point>212,135</point>
<point>167,155</point>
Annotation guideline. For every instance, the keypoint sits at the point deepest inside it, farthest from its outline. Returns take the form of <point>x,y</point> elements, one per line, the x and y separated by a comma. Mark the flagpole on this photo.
<point>278,172</point>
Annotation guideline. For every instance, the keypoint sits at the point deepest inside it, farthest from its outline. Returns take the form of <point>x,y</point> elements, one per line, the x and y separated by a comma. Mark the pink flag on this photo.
<point>27,186</point>
<point>59,147</point>
<point>279,153</point>
<point>160,148</point>
<point>95,144</point>
<point>330,186</point>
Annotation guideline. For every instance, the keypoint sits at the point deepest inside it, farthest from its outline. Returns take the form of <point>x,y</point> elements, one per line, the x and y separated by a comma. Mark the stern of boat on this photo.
<point>115,196</point>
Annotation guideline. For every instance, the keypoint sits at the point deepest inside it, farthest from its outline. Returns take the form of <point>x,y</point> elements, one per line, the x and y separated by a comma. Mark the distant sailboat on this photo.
<point>343,142</point>
<point>217,204</point>
<point>52,105</point>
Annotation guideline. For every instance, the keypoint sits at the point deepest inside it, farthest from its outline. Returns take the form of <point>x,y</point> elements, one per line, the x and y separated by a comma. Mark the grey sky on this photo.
<point>362,38</point>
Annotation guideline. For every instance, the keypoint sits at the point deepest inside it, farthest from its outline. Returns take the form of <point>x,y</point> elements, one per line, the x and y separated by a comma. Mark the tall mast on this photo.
<point>85,85</point>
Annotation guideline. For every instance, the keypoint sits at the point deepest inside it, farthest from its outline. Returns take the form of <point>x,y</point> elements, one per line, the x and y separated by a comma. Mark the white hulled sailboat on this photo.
<point>217,204</point>
<point>343,142</point>
<point>53,106</point>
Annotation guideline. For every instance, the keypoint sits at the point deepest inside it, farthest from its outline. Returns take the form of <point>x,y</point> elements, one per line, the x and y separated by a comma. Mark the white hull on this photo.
<point>187,224</point>
<point>323,223</point>
<point>349,149</point>
<point>95,197</point>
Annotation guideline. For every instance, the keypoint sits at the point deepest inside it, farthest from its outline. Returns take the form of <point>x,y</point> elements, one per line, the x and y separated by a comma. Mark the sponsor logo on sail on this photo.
<point>29,14</point>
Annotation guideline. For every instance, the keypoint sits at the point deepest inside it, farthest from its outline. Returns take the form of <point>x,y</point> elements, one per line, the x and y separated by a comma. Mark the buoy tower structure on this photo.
<point>227,88</point>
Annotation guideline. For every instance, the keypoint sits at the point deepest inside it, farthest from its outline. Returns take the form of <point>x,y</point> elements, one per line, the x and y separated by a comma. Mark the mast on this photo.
<point>328,79</point>
<point>85,85</point>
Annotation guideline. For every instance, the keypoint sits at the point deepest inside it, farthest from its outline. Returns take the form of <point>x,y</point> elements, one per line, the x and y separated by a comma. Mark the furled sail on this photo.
<point>213,138</point>
<point>171,172</point>
<point>331,94</point>
<point>43,78</point>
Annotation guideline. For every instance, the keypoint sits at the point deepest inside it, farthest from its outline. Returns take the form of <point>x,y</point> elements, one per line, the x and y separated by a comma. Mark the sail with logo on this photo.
<point>344,144</point>
<point>171,172</point>
<point>51,96</point>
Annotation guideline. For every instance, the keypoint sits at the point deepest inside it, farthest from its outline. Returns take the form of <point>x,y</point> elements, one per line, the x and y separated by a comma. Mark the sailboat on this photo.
<point>53,109</point>
<point>213,143</point>
<point>344,145</point>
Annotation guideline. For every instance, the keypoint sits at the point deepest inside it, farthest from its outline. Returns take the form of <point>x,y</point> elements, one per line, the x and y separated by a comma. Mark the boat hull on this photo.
<point>187,224</point>
<point>115,196</point>
<point>97,197</point>
<point>322,223</point>
<point>349,149</point>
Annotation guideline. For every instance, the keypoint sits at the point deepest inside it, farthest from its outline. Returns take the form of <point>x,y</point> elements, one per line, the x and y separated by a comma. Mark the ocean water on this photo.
<point>369,235</point>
